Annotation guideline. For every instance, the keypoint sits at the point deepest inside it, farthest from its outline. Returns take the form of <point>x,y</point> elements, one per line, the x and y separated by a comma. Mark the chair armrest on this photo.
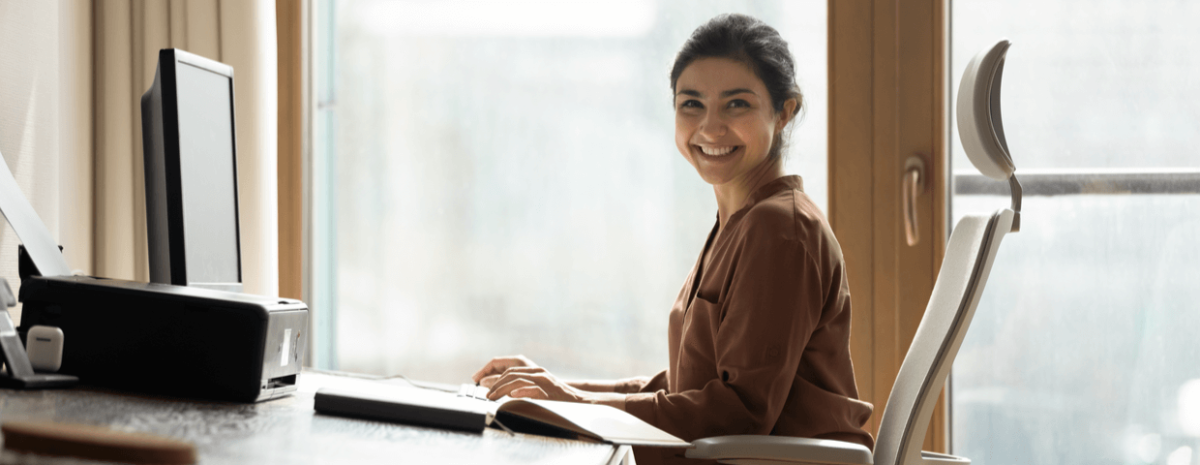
<point>780,448</point>
<point>935,458</point>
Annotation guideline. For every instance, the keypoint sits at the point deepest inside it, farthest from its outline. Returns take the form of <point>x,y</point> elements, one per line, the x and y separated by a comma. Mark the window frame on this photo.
<point>888,101</point>
<point>1053,183</point>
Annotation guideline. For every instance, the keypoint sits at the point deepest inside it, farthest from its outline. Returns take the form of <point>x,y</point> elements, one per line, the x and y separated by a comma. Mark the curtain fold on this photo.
<point>127,37</point>
<point>75,134</point>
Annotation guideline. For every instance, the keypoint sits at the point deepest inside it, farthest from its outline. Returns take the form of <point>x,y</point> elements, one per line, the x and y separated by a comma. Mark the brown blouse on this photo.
<point>760,341</point>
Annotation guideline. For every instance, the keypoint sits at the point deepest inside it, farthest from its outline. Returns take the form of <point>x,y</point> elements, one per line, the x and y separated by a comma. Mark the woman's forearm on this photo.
<point>611,399</point>
<point>626,385</point>
<point>603,392</point>
<point>594,385</point>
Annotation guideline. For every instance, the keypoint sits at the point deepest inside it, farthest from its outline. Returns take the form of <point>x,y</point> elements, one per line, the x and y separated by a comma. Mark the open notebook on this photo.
<point>403,404</point>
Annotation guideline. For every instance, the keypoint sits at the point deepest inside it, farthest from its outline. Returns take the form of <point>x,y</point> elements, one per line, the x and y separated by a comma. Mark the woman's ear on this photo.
<point>789,112</point>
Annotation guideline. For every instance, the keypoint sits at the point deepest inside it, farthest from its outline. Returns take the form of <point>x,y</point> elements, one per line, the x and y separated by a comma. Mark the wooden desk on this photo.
<point>289,431</point>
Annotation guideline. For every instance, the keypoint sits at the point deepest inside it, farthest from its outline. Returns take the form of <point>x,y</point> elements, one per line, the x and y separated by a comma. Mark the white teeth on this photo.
<point>716,151</point>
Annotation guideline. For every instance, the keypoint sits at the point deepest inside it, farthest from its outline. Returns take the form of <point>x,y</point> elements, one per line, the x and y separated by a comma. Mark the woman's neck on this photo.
<point>733,194</point>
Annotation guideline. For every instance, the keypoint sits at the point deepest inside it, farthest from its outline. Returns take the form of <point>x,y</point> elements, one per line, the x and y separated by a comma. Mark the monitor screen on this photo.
<point>191,173</point>
<point>207,175</point>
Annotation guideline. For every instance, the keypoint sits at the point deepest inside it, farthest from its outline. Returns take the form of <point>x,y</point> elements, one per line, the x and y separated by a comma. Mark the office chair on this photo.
<point>965,268</point>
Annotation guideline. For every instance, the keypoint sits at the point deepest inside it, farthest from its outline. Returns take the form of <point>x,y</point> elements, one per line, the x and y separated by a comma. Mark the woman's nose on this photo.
<point>712,127</point>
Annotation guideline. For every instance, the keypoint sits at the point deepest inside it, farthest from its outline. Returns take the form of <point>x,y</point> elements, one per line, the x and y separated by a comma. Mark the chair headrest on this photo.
<point>979,123</point>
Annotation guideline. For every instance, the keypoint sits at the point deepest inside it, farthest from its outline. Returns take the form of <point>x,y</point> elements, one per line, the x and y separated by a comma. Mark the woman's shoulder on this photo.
<point>788,214</point>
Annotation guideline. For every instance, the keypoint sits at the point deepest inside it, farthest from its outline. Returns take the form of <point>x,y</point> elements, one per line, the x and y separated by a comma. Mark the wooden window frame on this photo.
<point>290,52</point>
<point>888,100</point>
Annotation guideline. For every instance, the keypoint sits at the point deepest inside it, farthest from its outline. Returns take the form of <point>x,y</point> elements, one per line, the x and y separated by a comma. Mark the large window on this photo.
<point>502,178</point>
<point>1083,348</point>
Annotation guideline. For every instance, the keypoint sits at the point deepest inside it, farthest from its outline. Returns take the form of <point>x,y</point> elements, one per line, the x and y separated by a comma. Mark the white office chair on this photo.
<point>965,268</point>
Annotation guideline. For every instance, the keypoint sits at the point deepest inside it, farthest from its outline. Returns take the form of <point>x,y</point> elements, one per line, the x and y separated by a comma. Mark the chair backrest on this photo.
<point>960,282</point>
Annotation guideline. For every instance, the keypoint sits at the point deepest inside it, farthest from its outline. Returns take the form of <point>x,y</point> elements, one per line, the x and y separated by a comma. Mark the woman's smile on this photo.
<point>716,151</point>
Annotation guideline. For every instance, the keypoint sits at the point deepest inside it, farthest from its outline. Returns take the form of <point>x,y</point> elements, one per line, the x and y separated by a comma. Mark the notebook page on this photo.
<point>602,421</point>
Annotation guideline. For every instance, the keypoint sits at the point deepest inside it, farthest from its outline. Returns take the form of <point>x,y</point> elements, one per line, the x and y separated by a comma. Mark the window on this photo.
<point>502,178</point>
<point>1082,349</point>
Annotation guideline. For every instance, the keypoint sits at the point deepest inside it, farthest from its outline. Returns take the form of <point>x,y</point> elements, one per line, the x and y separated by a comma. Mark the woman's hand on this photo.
<point>537,383</point>
<point>491,372</point>
<point>517,376</point>
<point>534,383</point>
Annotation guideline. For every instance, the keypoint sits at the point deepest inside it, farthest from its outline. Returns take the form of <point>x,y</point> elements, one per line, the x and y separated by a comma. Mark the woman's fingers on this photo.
<point>499,364</point>
<point>514,380</point>
<point>509,382</point>
<point>488,381</point>
<point>494,366</point>
<point>525,370</point>
<point>531,392</point>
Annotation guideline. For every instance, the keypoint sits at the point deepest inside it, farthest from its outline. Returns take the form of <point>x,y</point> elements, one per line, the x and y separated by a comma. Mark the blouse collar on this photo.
<point>793,182</point>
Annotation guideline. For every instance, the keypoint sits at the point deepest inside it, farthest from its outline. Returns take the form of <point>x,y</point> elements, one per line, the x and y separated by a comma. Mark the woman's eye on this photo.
<point>739,103</point>
<point>691,104</point>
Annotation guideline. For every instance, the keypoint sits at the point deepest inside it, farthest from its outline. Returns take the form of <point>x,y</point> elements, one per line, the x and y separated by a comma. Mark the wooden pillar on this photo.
<point>290,161</point>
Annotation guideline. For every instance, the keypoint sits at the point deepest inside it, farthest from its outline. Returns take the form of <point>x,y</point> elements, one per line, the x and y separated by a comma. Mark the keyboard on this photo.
<point>473,391</point>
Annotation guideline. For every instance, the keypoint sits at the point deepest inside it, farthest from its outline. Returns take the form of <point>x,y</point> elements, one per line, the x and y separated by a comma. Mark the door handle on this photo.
<point>913,185</point>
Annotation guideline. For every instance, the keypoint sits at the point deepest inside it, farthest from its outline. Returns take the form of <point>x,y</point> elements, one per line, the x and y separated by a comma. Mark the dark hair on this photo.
<point>752,42</point>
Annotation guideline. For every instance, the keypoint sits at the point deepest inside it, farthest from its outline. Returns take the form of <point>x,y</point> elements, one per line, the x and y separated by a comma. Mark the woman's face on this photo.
<point>724,121</point>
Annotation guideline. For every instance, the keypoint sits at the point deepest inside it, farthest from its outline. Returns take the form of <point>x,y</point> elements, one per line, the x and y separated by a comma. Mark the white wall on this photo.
<point>45,121</point>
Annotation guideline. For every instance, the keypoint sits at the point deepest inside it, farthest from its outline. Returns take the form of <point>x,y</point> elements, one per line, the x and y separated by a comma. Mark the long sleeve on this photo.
<point>758,333</point>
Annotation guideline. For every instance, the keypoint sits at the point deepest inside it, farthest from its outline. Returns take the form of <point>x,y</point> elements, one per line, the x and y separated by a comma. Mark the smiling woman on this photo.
<point>759,336</point>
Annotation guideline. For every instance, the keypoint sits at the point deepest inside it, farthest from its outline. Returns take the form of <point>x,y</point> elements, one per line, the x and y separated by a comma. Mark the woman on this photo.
<point>759,336</point>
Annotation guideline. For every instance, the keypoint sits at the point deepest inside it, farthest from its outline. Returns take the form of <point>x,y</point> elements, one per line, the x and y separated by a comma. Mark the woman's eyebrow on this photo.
<point>693,93</point>
<point>737,91</point>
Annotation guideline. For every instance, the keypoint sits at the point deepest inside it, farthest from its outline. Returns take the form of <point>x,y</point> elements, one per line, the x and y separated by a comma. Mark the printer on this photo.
<point>168,339</point>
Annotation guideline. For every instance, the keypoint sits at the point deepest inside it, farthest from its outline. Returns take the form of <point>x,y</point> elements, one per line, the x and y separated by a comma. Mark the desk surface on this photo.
<point>287,430</point>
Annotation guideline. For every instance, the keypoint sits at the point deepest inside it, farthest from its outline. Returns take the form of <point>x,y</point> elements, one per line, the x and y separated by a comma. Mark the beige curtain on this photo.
<point>128,35</point>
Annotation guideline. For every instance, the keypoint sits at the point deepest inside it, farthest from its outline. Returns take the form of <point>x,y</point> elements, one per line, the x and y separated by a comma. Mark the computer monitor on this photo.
<point>191,173</point>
